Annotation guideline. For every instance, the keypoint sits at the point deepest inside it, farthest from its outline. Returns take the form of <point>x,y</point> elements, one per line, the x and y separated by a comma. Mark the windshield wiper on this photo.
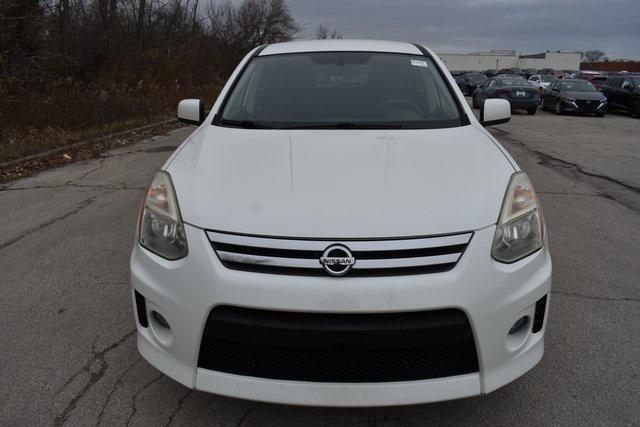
<point>349,125</point>
<point>246,124</point>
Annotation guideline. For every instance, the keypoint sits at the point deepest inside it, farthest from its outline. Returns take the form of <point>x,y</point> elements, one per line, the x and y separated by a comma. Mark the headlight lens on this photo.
<point>520,228</point>
<point>160,229</point>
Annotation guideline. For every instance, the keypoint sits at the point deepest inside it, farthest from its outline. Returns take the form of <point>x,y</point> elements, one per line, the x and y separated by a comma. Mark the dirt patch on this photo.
<point>92,148</point>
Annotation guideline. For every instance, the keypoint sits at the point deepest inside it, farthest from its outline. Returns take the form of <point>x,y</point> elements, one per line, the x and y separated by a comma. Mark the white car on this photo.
<point>541,81</point>
<point>340,230</point>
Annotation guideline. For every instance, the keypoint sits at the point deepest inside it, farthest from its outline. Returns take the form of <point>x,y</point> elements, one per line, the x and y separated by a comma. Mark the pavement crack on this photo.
<point>247,413</point>
<point>94,377</point>
<point>575,169</point>
<point>179,407</point>
<point>137,394</point>
<point>569,193</point>
<point>116,385</point>
<point>52,221</point>
<point>84,175</point>
<point>596,297</point>
<point>115,187</point>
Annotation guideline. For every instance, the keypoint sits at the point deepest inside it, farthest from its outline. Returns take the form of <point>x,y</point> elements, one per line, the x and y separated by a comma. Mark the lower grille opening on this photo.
<point>141,309</point>
<point>538,318</point>
<point>323,347</point>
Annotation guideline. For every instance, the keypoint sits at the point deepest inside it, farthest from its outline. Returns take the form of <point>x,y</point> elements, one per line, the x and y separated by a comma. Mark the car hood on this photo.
<point>586,96</point>
<point>340,183</point>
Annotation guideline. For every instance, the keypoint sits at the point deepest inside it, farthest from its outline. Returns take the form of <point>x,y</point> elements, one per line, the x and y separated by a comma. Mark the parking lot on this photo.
<point>68,338</point>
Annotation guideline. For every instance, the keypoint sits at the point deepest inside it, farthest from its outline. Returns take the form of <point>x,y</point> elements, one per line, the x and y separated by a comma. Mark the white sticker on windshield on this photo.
<point>418,63</point>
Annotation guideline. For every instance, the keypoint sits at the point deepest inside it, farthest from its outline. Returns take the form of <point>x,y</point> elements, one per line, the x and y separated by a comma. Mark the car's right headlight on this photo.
<point>160,229</point>
<point>520,228</point>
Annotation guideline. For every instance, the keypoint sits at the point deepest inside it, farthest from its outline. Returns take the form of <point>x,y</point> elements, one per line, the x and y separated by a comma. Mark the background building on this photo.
<point>499,59</point>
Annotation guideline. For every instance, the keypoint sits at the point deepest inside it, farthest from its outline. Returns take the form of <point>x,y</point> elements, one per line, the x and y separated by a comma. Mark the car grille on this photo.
<point>588,106</point>
<point>324,347</point>
<point>372,257</point>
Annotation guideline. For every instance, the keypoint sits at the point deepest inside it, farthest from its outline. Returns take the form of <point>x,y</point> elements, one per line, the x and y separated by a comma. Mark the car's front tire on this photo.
<point>558,108</point>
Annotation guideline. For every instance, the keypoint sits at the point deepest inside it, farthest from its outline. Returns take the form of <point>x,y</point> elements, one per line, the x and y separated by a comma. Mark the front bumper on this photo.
<point>492,295</point>
<point>586,107</point>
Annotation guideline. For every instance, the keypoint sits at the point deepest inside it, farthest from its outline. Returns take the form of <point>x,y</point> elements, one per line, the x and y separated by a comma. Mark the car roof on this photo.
<point>573,80</point>
<point>331,45</point>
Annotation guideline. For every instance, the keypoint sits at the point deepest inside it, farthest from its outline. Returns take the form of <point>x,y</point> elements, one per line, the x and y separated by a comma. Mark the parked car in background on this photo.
<point>490,73</point>
<point>541,82</point>
<point>470,82</point>
<point>599,81</point>
<point>575,96</point>
<point>457,76</point>
<point>529,72</point>
<point>518,91</point>
<point>588,75</point>
<point>623,93</point>
<point>516,71</point>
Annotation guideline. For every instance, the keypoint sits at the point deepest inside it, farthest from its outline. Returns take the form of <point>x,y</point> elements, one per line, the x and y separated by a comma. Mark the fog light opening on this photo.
<point>160,320</point>
<point>520,324</point>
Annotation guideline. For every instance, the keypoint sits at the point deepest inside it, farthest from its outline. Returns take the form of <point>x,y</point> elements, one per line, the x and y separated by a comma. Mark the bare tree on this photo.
<point>594,55</point>
<point>323,32</point>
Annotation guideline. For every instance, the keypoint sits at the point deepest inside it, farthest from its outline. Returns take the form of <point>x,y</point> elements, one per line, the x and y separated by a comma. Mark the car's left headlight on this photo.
<point>160,228</point>
<point>520,228</point>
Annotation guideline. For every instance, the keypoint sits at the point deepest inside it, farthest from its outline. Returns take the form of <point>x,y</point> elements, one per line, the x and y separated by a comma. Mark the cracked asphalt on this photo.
<point>67,342</point>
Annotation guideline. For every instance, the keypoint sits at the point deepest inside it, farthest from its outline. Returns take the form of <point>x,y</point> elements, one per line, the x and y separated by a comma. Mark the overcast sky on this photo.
<point>460,26</point>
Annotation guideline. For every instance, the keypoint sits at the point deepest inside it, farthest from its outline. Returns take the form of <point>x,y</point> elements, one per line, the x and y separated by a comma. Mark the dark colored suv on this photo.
<point>623,93</point>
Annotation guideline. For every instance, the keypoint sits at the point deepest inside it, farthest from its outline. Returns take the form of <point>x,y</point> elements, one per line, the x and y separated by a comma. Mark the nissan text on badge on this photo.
<point>340,230</point>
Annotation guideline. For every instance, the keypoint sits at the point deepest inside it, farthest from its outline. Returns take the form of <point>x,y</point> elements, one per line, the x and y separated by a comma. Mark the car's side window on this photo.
<point>626,83</point>
<point>535,79</point>
<point>614,82</point>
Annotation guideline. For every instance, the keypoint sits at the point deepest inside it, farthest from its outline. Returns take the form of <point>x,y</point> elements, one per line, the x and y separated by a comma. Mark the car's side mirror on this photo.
<point>495,112</point>
<point>191,111</point>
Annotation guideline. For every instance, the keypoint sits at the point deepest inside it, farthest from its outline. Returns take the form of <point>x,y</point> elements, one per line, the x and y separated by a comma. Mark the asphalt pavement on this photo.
<point>67,340</point>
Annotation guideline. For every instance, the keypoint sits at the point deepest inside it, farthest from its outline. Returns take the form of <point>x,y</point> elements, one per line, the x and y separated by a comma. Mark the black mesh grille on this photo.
<point>588,106</point>
<point>141,309</point>
<point>338,347</point>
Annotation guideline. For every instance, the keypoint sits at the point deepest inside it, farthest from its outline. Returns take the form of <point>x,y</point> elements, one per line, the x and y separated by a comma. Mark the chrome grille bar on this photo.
<point>418,255</point>
<point>354,245</point>
<point>315,264</point>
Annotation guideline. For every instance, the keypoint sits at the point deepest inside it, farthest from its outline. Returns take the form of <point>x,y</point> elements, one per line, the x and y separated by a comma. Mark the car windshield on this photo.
<point>577,86</point>
<point>514,81</point>
<point>341,90</point>
<point>547,79</point>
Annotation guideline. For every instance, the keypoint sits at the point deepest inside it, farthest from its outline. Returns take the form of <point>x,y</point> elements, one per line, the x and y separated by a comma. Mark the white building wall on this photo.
<point>483,62</point>
<point>555,60</point>
<point>457,62</point>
